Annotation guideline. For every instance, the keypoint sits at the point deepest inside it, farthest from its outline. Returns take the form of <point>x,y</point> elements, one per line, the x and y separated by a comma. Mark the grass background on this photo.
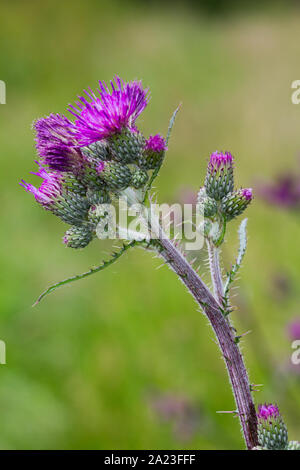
<point>124,360</point>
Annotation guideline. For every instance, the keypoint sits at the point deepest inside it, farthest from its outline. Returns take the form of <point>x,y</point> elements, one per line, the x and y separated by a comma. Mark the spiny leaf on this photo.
<point>156,171</point>
<point>171,124</point>
<point>114,257</point>
<point>241,253</point>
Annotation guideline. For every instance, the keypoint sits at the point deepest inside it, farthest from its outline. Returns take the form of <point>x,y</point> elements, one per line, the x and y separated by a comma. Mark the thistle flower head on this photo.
<point>236,202</point>
<point>156,143</point>
<point>272,431</point>
<point>247,194</point>
<point>88,162</point>
<point>78,237</point>
<point>267,412</point>
<point>56,143</point>
<point>219,161</point>
<point>49,190</point>
<point>219,177</point>
<point>100,117</point>
<point>153,152</point>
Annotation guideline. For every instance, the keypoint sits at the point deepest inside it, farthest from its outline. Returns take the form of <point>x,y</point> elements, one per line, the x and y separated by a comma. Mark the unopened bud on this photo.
<point>219,177</point>
<point>293,445</point>
<point>154,151</point>
<point>78,237</point>
<point>98,197</point>
<point>139,178</point>
<point>97,150</point>
<point>236,202</point>
<point>272,432</point>
<point>206,204</point>
<point>116,175</point>
<point>127,146</point>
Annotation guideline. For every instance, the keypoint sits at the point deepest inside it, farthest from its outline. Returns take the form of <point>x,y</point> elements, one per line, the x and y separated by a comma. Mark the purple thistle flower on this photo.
<point>49,190</point>
<point>247,194</point>
<point>272,431</point>
<point>267,412</point>
<point>156,143</point>
<point>56,143</point>
<point>219,161</point>
<point>110,112</point>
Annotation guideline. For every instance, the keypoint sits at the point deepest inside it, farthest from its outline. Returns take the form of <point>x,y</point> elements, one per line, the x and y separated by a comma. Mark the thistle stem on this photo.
<point>225,335</point>
<point>215,270</point>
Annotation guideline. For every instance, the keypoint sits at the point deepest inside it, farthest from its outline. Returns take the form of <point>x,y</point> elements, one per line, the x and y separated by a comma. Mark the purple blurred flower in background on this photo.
<point>186,195</point>
<point>284,192</point>
<point>184,416</point>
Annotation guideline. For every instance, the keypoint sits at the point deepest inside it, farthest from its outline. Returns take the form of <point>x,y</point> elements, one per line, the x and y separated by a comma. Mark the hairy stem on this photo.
<point>225,335</point>
<point>216,277</point>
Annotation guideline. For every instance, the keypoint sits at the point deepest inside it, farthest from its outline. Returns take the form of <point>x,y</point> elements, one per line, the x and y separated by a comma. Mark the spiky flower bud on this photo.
<point>206,204</point>
<point>78,237</point>
<point>127,146</point>
<point>97,150</point>
<point>293,445</point>
<point>236,202</point>
<point>71,208</point>
<point>219,177</point>
<point>94,215</point>
<point>98,197</point>
<point>272,432</point>
<point>74,185</point>
<point>153,154</point>
<point>139,178</point>
<point>116,175</point>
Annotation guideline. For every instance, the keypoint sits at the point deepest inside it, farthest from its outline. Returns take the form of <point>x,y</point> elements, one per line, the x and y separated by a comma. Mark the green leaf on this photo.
<point>105,264</point>
<point>156,171</point>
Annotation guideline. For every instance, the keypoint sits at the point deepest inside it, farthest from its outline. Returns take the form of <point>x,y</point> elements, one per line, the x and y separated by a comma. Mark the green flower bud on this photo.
<point>116,175</point>
<point>206,204</point>
<point>139,178</point>
<point>127,147</point>
<point>72,184</point>
<point>219,177</point>
<point>293,445</point>
<point>236,202</point>
<point>97,151</point>
<point>154,151</point>
<point>78,237</point>
<point>272,432</point>
<point>98,196</point>
<point>71,208</point>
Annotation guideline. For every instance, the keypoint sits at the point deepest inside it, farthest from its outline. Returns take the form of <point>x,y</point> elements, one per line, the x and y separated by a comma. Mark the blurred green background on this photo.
<point>123,360</point>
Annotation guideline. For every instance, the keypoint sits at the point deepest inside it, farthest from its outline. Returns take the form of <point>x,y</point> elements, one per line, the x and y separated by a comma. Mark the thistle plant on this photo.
<point>101,158</point>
